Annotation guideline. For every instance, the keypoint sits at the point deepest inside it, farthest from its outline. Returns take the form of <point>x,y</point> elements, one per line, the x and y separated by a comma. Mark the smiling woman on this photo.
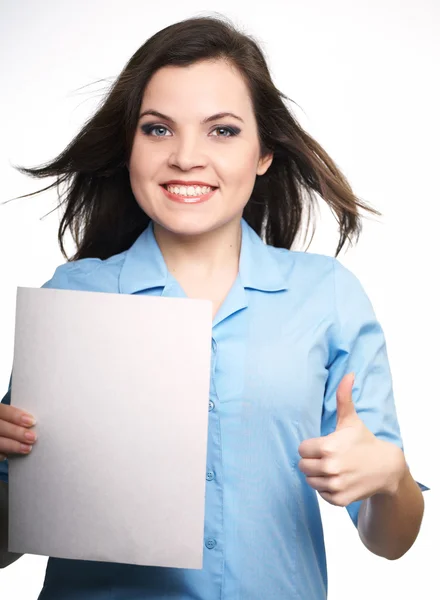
<point>192,180</point>
<point>187,75</point>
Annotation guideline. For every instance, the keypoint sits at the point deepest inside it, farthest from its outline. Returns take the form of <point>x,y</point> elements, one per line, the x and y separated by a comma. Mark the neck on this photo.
<point>202,255</point>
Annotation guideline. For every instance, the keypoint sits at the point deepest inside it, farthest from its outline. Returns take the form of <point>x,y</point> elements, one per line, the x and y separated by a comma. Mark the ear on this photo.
<point>264,163</point>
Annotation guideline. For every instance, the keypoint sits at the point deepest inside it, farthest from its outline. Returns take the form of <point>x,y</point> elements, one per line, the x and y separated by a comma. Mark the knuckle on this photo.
<point>327,449</point>
<point>336,484</point>
<point>15,432</point>
<point>5,446</point>
<point>331,466</point>
<point>6,410</point>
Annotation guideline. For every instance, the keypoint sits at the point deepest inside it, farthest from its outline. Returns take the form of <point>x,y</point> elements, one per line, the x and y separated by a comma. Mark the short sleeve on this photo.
<point>359,345</point>
<point>58,281</point>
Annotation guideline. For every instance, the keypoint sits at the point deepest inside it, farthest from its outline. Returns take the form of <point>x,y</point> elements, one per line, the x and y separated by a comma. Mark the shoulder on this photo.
<point>320,277</point>
<point>301,258</point>
<point>89,274</point>
<point>311,265</point>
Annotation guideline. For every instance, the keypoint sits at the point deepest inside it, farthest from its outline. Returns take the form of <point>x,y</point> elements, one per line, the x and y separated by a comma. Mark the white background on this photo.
<point>365,77</point>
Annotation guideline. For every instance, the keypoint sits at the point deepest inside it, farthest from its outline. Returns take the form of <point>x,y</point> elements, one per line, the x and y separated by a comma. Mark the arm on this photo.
<point>6,558</point>
<point>388,524</point>
<point>358,345</point>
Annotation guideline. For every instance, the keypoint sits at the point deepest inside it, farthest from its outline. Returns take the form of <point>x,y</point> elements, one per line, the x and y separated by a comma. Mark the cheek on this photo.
<point>135,161</point>
<point>141,166</point>
<point>240,170</point>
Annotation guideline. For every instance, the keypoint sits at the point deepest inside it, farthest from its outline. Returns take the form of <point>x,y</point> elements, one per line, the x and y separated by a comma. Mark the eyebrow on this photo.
<point>215,117</point>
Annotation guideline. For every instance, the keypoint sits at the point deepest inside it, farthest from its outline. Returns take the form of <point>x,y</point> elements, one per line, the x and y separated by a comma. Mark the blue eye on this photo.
<point>148,129</point>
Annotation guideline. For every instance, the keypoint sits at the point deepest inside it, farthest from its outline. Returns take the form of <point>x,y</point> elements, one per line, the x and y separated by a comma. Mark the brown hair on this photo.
<point>101,211</point>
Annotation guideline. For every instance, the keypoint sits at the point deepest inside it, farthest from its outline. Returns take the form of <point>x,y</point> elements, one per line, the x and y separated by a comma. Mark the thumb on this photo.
<point>346,410</point>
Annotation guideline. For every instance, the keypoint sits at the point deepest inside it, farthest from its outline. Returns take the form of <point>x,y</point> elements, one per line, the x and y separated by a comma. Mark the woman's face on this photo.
<point>182,144</point>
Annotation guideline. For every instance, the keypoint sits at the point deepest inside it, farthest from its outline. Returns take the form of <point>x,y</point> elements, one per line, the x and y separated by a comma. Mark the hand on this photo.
<point>13,431</point>
<point>350,464</point>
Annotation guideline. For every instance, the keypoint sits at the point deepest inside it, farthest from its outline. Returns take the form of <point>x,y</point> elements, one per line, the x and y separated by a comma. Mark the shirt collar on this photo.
<point>144,266</point>
<point>259,269</point>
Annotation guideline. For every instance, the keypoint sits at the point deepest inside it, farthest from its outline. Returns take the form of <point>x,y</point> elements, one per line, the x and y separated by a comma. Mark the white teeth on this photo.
<point>188,190</point>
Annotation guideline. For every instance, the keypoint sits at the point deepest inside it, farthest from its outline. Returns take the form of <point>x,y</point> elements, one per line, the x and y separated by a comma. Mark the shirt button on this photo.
<point>211,405</point>
<point>214,345</point>
<point>210,543</point>
<point>210,475</point>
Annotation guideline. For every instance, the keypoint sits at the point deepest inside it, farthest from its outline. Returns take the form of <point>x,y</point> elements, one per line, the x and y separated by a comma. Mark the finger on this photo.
<point>319,467</point>
<point>311,448</point>
<point>313,467</point>
<point>15,415</point>
<point>8,446</point>
<point>17,433</point>
<point>345,408</point>
<point>335,499</point>
<point>15,439</point>
<point>325,484</point>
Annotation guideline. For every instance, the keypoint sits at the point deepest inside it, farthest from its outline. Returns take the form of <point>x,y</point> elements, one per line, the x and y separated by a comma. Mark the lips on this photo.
<point>193,183</point>
<point>188,199</point>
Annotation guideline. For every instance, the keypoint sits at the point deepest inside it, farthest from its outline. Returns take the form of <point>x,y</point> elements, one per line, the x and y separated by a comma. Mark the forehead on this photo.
<point>204,87</point>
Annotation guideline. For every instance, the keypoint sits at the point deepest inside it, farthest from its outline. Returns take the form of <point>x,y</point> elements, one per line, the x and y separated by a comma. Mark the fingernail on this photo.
<point>25,448</point>
<point>31,436</point>
<point>28,420</point>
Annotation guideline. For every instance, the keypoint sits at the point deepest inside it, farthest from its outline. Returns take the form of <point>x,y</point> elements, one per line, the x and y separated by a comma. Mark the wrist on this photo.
<point>397,470</point>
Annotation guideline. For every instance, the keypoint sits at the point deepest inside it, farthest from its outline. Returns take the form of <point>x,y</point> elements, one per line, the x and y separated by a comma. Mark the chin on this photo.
<point>190,225</point>
<point>183,225</point>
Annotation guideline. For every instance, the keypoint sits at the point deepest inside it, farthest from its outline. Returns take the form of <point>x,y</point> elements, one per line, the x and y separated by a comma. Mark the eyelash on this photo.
<point>147,129</point>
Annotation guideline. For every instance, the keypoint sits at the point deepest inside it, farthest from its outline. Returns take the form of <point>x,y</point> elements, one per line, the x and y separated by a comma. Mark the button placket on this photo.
<point>211,404</point>
<point>213,357</point>
<point>214,490</point>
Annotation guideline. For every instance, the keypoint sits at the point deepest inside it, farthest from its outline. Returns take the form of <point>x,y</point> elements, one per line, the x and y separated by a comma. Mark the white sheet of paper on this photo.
<point>119,385</point>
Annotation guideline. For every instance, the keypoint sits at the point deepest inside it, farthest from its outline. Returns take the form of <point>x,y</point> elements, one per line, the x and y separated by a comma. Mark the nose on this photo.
<point>187,153</point>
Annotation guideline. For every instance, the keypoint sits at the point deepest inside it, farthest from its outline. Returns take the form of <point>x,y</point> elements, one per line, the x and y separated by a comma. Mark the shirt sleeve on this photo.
<point>58,281</point>
<point>360,347</point>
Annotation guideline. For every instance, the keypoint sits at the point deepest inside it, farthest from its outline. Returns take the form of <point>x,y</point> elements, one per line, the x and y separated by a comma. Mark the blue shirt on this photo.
<point>291,327</point>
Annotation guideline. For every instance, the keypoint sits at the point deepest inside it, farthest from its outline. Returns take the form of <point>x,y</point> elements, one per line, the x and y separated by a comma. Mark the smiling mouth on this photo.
<point>170,185</point>
<point>193,199</point>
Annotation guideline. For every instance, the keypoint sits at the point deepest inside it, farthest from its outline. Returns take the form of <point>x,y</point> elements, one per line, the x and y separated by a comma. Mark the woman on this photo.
<point>172,186</point>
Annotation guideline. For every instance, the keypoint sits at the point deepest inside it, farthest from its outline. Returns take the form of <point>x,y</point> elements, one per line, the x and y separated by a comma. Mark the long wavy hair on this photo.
<point>99,207</point>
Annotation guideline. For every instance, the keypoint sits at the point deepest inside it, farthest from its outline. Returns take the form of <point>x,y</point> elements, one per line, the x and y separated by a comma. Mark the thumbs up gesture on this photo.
<point>351,463</point>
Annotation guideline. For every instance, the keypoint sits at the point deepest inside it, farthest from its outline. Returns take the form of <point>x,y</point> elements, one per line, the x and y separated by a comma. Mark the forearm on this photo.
<point>388,524</point>
<point>6,558</point>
